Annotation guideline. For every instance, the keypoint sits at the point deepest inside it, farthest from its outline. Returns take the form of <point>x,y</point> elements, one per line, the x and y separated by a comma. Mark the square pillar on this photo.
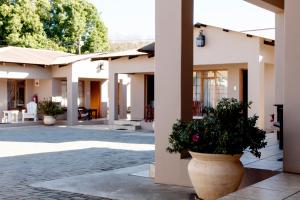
<point>137,96</point>
<point>256,92</point>
<point>279,58</point>
<point>113,92</point>
<point>291,108</point>
<point>173,83</point>
<point>123,100</point>
<point>72,97</point>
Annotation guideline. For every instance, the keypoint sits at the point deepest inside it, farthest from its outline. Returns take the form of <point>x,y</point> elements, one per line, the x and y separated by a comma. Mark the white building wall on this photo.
<point>224,47</point>
<point>141,64</point>
<point>88,69</point>
<point>44,90</point>
<point>15,71</point>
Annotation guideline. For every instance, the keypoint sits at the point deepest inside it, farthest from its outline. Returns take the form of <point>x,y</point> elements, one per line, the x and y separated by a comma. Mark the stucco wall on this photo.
<point>44,90</point>
<point>141,64</point>
<point>15,71</point>
<point>224,47</point>
<point>88,69</point>
<point>137,96</point>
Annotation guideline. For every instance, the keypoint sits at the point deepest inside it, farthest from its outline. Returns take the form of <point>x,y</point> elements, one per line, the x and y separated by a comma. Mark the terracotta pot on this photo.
<point>49,120</point>
<point>215,175</point>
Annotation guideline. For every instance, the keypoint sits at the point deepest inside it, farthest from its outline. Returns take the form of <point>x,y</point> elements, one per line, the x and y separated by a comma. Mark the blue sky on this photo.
<point>134,19</point>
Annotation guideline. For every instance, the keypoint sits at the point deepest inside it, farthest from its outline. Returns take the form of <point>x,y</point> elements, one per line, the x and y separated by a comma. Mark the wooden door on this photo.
<point>96,96</point>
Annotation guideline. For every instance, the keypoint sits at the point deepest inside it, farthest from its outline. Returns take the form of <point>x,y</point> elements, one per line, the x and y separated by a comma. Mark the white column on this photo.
<point>113,97</point>
<point>173,83</point>
<point>256,85</point>
<point>291,109</point>
<point>137,96</point>
<point>279,58</point>
<point>72,95</point>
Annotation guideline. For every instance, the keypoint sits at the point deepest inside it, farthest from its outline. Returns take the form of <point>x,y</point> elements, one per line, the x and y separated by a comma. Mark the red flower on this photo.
<point>195,138</point>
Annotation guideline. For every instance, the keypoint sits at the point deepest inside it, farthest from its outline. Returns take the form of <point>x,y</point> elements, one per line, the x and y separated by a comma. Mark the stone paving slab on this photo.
<point>36,158</point>
<point>120,185</point>
<point>279,187</point>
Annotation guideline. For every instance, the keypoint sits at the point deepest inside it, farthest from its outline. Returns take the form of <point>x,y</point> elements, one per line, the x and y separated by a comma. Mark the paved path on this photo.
<point>33,154</point>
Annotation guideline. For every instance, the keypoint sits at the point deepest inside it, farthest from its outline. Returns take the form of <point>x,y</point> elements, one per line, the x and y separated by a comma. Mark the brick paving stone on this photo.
<point>18,172</point>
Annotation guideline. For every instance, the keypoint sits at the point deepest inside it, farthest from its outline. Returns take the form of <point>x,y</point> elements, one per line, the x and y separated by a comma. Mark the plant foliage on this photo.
<point>52,24</point>
<point>225,129</point>
<point>49,108</point>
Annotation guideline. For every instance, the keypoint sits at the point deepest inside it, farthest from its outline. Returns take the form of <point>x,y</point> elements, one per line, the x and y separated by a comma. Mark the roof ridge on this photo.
<point>36,49</point>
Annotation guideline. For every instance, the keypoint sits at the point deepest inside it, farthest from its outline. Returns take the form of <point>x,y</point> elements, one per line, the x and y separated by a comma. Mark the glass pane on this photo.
<point>215,88</point>
<point>64,94</point>
<point>15,94</point>
<point>80,94</point>
<point>209,74</point>
<point>221,84</point>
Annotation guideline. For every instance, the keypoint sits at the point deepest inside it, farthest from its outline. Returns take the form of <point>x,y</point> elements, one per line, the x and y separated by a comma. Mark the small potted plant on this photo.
<point>216,144</point>
<point>49,109</point>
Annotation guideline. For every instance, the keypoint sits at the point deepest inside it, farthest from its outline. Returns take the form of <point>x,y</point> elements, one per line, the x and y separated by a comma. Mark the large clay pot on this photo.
<point>215,175</point>
<point>49,120</point>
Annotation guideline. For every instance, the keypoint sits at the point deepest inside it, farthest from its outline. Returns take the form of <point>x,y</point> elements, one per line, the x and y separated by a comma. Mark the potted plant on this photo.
<point>49,109</point>
<point>216,144</point>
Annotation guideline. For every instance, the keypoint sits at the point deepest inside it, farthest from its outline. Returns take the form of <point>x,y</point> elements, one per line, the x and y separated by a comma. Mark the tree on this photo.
<point>52,24</point>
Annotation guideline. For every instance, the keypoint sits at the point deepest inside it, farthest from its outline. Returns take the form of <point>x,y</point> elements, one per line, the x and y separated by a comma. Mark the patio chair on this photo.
<point>84,114</point>
<point>31,112</point>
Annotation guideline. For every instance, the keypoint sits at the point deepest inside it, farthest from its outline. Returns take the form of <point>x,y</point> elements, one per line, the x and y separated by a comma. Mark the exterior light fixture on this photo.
<point>100,66</point>
<point>200,40</point>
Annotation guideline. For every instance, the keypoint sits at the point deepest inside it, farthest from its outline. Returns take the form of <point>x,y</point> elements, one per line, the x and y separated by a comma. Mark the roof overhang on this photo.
<point>122,54</point>
<point>271,5</point>
<point>150,48</point>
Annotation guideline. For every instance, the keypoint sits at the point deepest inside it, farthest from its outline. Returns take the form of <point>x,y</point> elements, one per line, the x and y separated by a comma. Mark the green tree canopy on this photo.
<point>52,24</point>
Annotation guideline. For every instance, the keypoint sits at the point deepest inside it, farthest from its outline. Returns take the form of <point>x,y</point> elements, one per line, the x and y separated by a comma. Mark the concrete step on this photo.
<point>127,127</point>
<point>127,122</point>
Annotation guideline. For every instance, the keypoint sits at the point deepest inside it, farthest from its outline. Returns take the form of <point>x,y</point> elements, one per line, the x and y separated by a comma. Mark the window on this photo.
<point>64,94</point>
<point>80,94</point>
<point>210,86</point>
<point>15,94</point>
<point>197,86</point>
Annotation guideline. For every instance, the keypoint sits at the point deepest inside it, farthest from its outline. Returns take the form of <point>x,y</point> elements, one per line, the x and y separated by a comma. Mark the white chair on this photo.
<point>31,112</point>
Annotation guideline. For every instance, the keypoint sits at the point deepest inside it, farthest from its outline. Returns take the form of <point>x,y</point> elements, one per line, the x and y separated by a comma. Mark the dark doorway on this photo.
<point>244,95</point>
<point>150,90</point>
<point>149,98</point>
<point>245,85</point>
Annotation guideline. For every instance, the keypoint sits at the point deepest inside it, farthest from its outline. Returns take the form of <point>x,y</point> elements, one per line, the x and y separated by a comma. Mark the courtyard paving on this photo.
<point>35,154</point>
